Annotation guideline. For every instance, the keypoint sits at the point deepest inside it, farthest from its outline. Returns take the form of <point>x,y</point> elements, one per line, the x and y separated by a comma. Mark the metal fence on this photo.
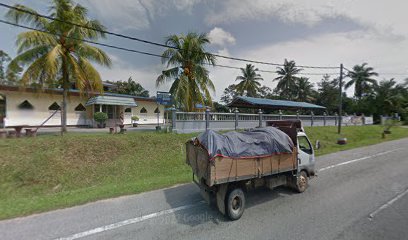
<point>186,122</point>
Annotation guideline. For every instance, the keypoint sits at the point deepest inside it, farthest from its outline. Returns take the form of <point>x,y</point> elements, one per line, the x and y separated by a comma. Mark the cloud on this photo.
<point>124,14</point>
<point>220,37</point>
<point>136,15</point>
<point>386,18</point>
<point>288,11</point>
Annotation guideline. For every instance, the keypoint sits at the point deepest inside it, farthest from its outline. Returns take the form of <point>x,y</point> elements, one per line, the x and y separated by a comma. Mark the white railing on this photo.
<point>199,121</point>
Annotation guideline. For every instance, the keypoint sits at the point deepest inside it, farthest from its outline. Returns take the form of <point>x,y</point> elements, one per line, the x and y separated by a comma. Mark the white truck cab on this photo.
<point>306,159</point>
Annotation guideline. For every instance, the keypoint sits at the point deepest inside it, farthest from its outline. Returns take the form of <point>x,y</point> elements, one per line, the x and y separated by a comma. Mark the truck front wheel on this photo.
<point>235,203</point>
<point>302,182</point>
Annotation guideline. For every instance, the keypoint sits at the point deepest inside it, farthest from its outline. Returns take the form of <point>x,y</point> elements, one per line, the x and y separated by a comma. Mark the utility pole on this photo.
<point>340,98</point>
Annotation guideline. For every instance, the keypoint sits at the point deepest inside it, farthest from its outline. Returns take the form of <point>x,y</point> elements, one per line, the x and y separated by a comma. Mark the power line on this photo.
<point>131,50</point>
<point>396,74</point>
<point>150,42</point>
<point>383,73</point>
<point>83,40</point>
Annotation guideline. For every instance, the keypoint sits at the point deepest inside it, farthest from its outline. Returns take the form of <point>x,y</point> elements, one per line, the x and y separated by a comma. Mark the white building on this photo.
<point>32,107</point>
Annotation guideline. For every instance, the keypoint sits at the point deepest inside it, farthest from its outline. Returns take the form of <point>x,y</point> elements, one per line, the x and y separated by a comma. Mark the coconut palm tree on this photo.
<point>361,78</point>
<point>389,97</point>
<point>185,59</point>
<point>305,91</point>
<point>55,57</point>
<point>287,79</point>
<point>249,81</point>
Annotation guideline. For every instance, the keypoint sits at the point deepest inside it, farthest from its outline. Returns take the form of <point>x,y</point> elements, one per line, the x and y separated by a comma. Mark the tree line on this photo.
<point>371,96</point>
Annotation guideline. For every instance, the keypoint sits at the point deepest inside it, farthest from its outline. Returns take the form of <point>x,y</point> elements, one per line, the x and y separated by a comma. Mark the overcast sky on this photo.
<point>311,32</point>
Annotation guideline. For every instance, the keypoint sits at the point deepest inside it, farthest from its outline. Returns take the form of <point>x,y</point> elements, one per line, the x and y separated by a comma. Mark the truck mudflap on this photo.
<point>205,191</point>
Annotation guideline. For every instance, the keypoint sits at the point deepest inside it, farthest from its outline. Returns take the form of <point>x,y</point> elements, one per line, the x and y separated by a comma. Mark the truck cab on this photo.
<point>306,158</point>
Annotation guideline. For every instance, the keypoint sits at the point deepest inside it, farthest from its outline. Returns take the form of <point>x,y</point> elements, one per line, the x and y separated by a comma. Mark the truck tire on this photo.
<point>235,203</point>
<point>302,182</point>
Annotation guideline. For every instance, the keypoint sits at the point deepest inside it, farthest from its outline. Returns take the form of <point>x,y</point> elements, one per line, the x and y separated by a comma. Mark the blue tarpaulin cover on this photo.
<point>260,142</point>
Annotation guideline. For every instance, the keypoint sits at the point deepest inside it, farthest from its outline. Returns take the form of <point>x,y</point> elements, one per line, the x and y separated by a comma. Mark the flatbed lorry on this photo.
<point>228,179</point>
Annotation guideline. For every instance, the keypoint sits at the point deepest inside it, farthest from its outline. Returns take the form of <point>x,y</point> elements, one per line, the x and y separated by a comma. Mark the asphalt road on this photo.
<point>359,194</point>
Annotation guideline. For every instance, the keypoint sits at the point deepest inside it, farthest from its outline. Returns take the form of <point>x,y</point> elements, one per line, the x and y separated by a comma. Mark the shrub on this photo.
<point>100,117</point>
<point>135,118</point>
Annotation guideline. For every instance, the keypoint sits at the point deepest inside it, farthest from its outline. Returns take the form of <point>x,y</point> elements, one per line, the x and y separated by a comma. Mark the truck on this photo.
<point>226,178</point>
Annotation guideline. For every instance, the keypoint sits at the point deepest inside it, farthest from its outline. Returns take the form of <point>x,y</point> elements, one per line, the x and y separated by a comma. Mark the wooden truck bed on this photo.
<point>222,169</point>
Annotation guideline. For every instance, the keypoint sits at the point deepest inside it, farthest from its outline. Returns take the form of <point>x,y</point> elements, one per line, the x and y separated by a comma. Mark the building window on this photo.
<point>26,105</point>
<point>80,108</point>
<point>143,110</point>
<point>157,110</point>
<point>128,110</point>
<point>54,107</point>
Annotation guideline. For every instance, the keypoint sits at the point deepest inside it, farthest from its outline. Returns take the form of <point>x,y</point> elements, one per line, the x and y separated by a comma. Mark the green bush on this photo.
<point>100,117</point>
<point>389,123</point>
<point>135,118</point>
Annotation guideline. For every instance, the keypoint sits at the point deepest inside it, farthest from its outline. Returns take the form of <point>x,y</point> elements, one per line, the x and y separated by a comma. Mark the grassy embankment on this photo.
<point>50,172</point>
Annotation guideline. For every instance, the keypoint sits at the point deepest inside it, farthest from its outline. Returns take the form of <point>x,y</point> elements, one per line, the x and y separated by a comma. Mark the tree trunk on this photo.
<point>64,111</point>
<point>65,86</point>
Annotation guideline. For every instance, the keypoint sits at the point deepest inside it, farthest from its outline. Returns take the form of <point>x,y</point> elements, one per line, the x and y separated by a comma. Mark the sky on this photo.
<point>311,32</point>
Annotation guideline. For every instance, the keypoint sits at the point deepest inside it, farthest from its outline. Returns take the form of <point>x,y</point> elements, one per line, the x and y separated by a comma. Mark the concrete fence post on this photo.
<point>207,118</point>
<point>324,118</point>
<point>260,117</point>
<point>297,115</point>
<point>280,114</point>
<point>355,119</point>
<point>173,118</point>
<point>311,118</point>
<point>335,119</point>
<point>363,119</point>
<point>236,118</point>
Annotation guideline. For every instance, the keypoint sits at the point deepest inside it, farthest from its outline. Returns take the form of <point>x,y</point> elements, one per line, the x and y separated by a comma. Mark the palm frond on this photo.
<point>30,18</point>
<point>32,39</point>
<point>94,54</point>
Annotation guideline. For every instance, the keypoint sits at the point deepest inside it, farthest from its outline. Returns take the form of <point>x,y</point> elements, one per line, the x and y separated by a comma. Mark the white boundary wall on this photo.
<point>187,122</point>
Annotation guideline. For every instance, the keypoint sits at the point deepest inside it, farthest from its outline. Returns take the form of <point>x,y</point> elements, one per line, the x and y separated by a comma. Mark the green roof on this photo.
<point>111,100</point>
<point>251,102</point>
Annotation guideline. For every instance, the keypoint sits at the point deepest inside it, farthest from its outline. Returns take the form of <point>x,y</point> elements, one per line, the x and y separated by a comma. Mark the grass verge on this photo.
<point>50,172</point>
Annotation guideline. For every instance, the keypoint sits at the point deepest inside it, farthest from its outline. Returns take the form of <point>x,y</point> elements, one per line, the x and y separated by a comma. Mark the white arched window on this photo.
<point>54,107</point>
<point>25,105</point>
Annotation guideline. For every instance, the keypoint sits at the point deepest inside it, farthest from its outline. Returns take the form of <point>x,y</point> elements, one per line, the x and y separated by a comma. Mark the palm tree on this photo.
<point>249,81</point>
<point>389,97</point>
<point>287,79</point>
<point>361,78</point>
<point>305,91</point>
<point>55,57</point>
<point>185,59</point>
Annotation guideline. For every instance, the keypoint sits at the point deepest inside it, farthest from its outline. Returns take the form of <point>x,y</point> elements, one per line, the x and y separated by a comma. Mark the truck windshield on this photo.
<point>304,145</point>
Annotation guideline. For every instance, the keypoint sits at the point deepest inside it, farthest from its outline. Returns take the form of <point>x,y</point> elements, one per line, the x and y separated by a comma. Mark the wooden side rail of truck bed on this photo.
<point>224,169</point>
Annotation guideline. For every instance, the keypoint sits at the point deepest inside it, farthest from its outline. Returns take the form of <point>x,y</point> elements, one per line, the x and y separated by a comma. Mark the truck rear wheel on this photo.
<point>235,203</point>
<point>302,182</point>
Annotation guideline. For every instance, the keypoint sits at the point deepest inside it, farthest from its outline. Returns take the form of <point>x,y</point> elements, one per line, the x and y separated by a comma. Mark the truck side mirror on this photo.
<point>317,146</point>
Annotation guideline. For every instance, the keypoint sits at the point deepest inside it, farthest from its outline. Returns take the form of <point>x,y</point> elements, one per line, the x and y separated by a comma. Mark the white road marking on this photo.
<point>357,160</point>
<point>173,210</point>
<point>387,204</point>
<point>127,222</point>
